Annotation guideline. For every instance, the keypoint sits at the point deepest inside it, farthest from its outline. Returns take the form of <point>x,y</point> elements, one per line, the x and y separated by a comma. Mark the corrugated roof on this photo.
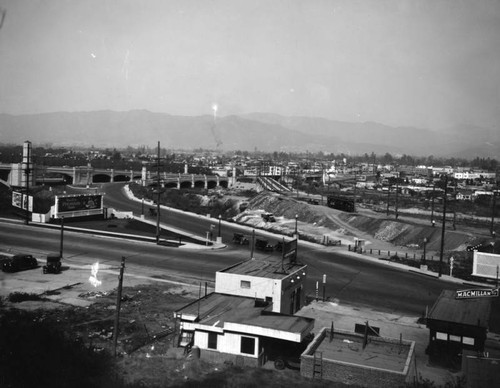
<point>473,312</point>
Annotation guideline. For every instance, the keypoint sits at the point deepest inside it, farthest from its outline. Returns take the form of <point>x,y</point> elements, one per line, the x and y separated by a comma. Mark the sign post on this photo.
<point>324,286</point>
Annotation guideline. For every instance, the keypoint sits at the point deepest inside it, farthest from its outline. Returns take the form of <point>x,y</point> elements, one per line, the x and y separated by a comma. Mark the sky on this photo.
<point>426,63</point>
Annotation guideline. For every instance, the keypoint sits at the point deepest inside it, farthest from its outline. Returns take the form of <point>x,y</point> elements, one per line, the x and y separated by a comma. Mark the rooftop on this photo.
<point>473,312</point>
<point>220,310</point>
<point>383,353</point>
<point>269,269</point>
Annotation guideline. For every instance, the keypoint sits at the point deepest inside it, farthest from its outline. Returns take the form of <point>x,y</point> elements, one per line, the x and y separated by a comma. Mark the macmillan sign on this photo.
<point>478,293</point>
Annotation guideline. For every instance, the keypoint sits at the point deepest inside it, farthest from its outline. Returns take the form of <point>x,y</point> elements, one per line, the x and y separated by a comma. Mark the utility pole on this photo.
<point>443,226</point>
<point>388,197</point>
<point>355,184</point>
<point>118,305</point>
<point>158,196</point>
<point>253,243</point>
<point>27,172</point>
<point>493,205</point>
<point>396,205</point>
<point>432,204</point>
<point>62,234</point>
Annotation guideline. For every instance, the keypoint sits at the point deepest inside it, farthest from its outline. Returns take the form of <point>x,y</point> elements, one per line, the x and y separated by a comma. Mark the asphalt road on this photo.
<point>350,280</point>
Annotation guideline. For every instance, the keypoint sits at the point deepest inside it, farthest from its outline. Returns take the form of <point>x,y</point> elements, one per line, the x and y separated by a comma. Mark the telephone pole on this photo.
<point>441,252</point>
<point>158,195</point>
<point>118,306</point>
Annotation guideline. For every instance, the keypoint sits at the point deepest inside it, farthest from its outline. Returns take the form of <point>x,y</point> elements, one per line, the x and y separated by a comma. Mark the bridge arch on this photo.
<point>171,185</point>
<point>211,184</point>
<point>186,185</point>
<point>101,178</point>
<point>121,178</point>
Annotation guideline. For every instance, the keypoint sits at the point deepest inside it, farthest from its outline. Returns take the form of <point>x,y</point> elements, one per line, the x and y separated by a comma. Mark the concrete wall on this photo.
<point>356,374</point>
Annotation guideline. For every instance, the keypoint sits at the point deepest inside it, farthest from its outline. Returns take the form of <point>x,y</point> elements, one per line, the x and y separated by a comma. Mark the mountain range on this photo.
<point>255,131</point>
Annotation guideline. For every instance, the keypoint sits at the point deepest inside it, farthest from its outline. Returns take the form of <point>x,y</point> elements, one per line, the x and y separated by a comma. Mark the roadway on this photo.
<point>351,279</point>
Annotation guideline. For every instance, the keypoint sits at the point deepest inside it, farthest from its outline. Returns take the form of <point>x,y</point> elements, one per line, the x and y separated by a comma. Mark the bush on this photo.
<point>18,297</point>
<point>36,353</point>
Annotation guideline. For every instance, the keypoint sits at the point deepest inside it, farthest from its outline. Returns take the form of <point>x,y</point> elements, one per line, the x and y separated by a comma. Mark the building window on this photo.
<point>441,336</point>
<point>468,341</point>
<point>187,337</point>
<point>245,284</point>
<point>212,340</point>
<point>247,345</point>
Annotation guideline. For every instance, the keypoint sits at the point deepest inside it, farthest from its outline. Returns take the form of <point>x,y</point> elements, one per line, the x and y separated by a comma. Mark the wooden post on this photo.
<point>118,305</point>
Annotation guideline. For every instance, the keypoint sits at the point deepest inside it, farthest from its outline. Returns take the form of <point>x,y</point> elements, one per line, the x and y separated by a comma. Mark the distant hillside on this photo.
<point>261,131</point>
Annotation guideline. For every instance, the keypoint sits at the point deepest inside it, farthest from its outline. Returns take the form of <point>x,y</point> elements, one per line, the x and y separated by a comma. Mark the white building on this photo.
<point>283,286</point>
<point>242,321</point>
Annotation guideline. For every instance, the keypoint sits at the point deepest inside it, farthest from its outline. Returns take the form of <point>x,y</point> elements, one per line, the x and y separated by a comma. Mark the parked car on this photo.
<point>263,245</point>
<point>53,264</point>
<point>240,238</point>
<point>19,263</point>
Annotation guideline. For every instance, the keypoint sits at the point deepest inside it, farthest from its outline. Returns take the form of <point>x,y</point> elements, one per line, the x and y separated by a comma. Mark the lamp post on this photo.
<point>220,218</point>
<point>424,262</point>
<point>296,217</point>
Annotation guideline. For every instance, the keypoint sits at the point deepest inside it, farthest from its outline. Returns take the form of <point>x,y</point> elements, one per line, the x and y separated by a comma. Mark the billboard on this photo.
<point>22,201</point>
<point>486,265</point>
<point>78,205</point>
<point>290,251</point>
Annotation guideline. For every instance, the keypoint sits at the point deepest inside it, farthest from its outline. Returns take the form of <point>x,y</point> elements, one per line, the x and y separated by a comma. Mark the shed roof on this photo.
<point>473,312</point>
<point>219,310</point>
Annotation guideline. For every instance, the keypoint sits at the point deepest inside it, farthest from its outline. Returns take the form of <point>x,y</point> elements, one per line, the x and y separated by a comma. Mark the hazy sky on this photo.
<point>426,63</point>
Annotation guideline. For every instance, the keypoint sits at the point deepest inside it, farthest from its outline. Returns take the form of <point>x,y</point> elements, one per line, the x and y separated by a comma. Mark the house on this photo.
<point>248,319</point>
<point>456,325</point>
<point>240,329</point>
<point>281,284</point>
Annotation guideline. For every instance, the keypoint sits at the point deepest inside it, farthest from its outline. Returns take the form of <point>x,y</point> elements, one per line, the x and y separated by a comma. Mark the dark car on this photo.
<point>19,263</point>
<point>263,245</point>
<point>241,239</point>
<point>53,264</point>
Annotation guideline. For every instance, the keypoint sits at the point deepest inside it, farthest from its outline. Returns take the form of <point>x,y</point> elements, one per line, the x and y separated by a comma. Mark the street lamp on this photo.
<point>220,218</point>
<point>296,217</point>
<point>425,245</point>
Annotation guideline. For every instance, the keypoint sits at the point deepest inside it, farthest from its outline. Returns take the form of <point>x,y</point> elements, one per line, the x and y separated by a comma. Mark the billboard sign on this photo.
<point>78,205</point>
<point>478,293</point>
<point>290,250</point>
<point>22,201</point>
<point>485,265</point>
